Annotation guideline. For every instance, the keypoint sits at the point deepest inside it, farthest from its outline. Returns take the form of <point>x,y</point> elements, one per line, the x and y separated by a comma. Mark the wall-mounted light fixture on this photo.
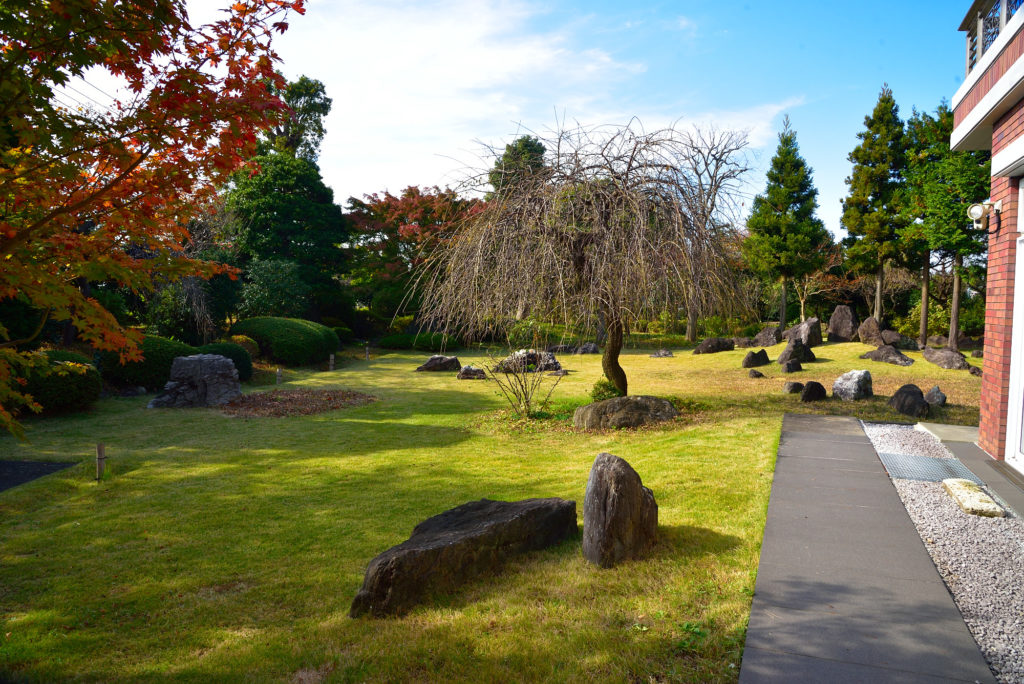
<point>979,213</point>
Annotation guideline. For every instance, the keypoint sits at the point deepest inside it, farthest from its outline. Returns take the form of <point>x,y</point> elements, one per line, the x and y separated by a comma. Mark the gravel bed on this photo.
<point>980,559</point>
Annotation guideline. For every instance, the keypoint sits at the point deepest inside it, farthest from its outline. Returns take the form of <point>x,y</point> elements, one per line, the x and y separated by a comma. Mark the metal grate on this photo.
<point>905,467</point>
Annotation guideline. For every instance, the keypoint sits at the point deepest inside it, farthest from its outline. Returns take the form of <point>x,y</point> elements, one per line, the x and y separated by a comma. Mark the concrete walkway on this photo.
<point>846,591</point>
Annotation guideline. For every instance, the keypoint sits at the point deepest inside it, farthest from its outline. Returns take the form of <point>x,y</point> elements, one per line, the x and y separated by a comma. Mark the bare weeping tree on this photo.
<point>618,225</point>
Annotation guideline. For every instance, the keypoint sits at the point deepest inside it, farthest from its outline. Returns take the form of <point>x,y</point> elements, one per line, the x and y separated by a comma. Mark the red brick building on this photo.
<point>988,113</point>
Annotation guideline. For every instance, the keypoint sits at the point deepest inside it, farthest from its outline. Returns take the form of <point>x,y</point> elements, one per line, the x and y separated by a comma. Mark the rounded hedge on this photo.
<point>291,341</point>
<point>434,342</point>
<point>158,353</point>
<point>344,333</point>
<point>56,355</point>
<point>64,386</point>
<point>237,353</point>
<point>246,343</point>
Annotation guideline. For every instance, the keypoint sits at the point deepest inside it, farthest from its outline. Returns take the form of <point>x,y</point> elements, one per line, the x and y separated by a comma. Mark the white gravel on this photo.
<point>980,559</point>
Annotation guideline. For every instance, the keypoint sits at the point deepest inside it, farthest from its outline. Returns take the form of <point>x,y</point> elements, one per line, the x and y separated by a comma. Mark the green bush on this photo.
<point>246,343</point>
<point>236,352</point>
<point>64,385</point>
<point>604,389</point>
<point>291,341</point>
<point>56,355</point>
<point>344,333</point>
<point>158,353</point>
<point>434,342</point>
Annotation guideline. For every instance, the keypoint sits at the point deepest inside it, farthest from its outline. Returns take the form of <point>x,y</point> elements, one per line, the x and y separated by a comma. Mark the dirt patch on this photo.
<point>294,402</point>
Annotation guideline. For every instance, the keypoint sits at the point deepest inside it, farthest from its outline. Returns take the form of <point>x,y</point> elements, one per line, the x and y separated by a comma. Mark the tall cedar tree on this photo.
<point>79,184</point>
<point>522,157</point>
<point>871,212</point>
<point>300,132</point>
<point>786,240</point>
<point>941,184</point>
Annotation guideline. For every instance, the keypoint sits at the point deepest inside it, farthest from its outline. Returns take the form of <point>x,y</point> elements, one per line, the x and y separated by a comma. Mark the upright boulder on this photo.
<point>909,400</point>
<point>620,515</point>
<point>796,351</point>
<point>769,337</point>
<point>623,412</point>
<point>756,359</point>
<point>853,385</point>
<point>438,362</point>
<point>713,345</point>
<point>842,325</point>
<point>888,354</point>
<point>453,547</point>
<point>808,332</point>
<point>813,391</point>
<point>870,332</point>
<point>935,397</point>
<point>946,358</point>
<point>199,380</point>
<point>898,340</point>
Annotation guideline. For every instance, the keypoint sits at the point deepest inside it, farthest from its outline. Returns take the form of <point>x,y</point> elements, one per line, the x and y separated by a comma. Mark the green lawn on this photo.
<point>228,549</point>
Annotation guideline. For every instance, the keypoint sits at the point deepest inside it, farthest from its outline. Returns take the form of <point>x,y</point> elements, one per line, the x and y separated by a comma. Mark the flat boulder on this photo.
<point>796,351</point>
<point>662,354</point>
<point>620,515</point>
<point>437,362</point>
<point>199,380</point>
<point>471,373</point>
<point>808,332</point>
<point>793,388</point>
<point>769,337</point>
<point>756,359</point>
<point>528,361</point>
<point>623,412</point>
<point>842,325</point>
<point>909,400</point>
<point>792,366</point>
<point>451,548</point>
<point>853,386</point>
<point>713,345</point>
<point>888,354</point>
<point>588,348</point>
<point>870,332</point>
<point>945,358</point>
<point>935,397</point>
<point>813,391</point>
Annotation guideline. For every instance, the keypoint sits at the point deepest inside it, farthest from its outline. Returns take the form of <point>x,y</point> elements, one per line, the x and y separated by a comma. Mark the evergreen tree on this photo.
<point>786,239</point>
<point>522,157</point>
<point>301,130</point>
<point>871,212</point>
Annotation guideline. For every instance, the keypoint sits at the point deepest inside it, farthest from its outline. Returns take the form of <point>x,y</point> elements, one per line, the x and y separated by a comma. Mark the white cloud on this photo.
<point>687,25</point>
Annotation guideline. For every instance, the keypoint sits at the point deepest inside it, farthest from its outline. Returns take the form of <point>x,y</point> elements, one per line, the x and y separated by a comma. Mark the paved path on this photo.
<point>846,591</point>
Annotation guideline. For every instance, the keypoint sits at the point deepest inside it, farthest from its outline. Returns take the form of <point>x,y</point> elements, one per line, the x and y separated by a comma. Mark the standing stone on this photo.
<point>935,397</point>
<point>755,374</point>
<point>437,362</point>
<point>909,400</point>
<point>853,385</point>
<point>813,391</point>
<point>946,358</point>
<point>870,332</point>
<point>796,351</point>
<point>888,354</point>
<point>713,345</point>
<point>808,332</point>
<point>199,380</point>
<point>842,326</point>
<point>793,388</point>
<point>756,359</point>
<point>623,412</point>
<point>769,337</point>
<point>792,366</point>
<point>620,515</point>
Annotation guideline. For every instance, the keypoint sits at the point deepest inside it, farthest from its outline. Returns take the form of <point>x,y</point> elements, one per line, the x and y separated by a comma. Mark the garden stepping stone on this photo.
<point>451,548</point>
<point>971,498</point>
<point>620,515</point>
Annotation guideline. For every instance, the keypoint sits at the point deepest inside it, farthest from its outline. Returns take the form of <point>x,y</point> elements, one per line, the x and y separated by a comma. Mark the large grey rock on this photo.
<point>853,385</point>
<point>528,360</point>
<point>588,348</point>
<point>793,388</point>
<point>813,391</point>
<point>888,354</point>
<point>898,340</point>
<point>662,354</point>
<point>935,397</point>
<point>909,400</point>
<point>437,362</point>
<point>870,332</point>
<point>808,332</point>
<point>623,412</point>
<point>756,359</point>
<point>199,380</point>
<point>796,351</point>
<point>769,337</point>
<point>713,345</point>
<point>471,373</point>
<point>451,548</point>
<point>945,358</point>
<point>842,325</point>
<point>620,515</point>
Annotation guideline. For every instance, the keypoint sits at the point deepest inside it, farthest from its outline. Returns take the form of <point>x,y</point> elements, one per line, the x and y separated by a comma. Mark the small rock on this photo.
<point>792,366</point>
<point>623,412</point>
<point>471,373</point>
<point>909,400</point>
<point>620,515</point>
<point>755,373</point>
<point>438,362</point>
<point>853,385</point>
<point>935,397</point>
<point>769,337</point>
<point>946,358</point>
<point>977,354</point>
<point>797,351</point>
<point>888,354</point>
<point>813,391</point>
<point>662,354</point>
<point>842,326</point>
<point>756,359</point>
<point>793,388</point>
<point>975,371</point>
<point>713,345</point>
<point>560,373</point>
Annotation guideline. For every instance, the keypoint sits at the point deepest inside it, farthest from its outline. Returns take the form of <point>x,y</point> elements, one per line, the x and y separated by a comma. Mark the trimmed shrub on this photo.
<point>434,342</point>
<point>246,343</point>
<point>64,386</point>
<point>344,333</point>
<point>56,355</point>
<point>158,353</point>
<point>291,341</point>
<point>604,389</point>
<point>236,352</point>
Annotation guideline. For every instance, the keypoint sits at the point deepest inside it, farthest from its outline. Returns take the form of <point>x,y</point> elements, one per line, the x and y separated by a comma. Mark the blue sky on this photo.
<point>418,85</point>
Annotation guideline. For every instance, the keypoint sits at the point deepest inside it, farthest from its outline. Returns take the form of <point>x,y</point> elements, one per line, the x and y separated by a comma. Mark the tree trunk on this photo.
<point>879,278</point>
<point>954,308</point>
<point>610,360</point>
<point>925,281</point>
<point>691,322</point>
<point>782,306</point>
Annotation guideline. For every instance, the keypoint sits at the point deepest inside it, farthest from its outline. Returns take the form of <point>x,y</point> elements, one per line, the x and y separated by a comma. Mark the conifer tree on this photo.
<point>871,212</point>
<point>785,237</point>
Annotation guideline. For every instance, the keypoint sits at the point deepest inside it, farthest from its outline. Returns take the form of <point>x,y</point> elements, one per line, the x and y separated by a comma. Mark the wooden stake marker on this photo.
<point>101,460</point>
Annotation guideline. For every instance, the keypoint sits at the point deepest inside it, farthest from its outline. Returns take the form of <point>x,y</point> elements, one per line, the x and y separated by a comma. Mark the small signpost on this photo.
<point>278,376</point>
<point>330,365</point>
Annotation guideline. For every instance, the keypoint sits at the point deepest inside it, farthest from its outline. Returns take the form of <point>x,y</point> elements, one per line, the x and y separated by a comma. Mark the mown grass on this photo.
<point>227,549</point>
